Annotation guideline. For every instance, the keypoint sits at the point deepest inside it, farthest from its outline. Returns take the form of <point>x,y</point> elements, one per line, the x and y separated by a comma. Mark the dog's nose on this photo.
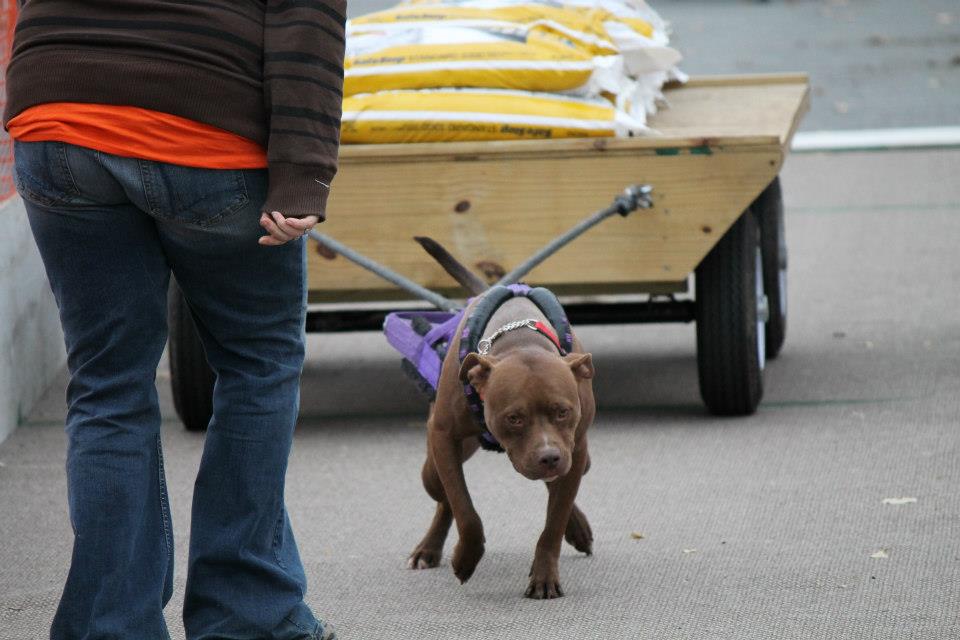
<point>550,457</point>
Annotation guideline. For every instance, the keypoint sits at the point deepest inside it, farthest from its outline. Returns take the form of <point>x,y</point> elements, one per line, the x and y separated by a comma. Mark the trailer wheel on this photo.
<point>730,313</point>
<point>768,208</point>
<point>191,378</point>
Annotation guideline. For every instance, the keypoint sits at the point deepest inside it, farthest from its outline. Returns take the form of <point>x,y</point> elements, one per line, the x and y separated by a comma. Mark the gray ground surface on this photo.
<point>762,527</point>
<point>873,63</point>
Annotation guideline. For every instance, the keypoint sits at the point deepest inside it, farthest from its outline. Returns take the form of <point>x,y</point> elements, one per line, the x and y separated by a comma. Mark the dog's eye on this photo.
<point>563,413</point>
<point>515,420</point>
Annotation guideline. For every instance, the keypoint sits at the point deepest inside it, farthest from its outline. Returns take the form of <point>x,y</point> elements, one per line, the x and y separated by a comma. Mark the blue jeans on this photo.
<point>110,230</point>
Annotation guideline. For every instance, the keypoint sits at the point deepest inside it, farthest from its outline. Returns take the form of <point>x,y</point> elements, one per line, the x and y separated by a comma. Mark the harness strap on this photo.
<point>419,348</point>
<point>480,316</point>
<point>547,302</point>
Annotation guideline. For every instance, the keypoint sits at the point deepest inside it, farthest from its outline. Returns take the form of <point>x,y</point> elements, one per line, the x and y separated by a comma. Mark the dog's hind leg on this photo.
<point>578,533</point>
<point>427,554</point>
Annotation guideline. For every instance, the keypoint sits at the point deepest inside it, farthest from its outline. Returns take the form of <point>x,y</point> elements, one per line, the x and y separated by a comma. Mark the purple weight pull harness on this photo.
<point>423,337</point>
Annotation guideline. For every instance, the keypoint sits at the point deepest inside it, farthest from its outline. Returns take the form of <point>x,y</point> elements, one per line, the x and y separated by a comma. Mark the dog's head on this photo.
<point>531,405</point>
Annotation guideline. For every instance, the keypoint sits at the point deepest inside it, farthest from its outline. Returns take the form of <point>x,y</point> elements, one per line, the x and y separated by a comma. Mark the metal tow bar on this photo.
<point>633,198</point>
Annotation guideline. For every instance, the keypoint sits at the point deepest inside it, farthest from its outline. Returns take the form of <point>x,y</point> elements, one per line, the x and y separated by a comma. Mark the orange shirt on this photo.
<point>137,133</point>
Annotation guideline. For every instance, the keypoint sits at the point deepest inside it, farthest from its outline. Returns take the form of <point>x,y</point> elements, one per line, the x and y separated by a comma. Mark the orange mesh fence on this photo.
<point>8,20</point>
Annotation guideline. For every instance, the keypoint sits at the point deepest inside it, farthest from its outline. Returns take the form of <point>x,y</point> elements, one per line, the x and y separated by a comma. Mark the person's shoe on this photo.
<point>327,632</point>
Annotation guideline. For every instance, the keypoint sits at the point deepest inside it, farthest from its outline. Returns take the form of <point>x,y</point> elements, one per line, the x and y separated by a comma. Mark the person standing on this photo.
<point>198,138</point>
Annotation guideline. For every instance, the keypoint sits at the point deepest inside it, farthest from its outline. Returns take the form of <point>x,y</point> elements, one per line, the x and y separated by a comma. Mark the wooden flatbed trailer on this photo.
<point>718,215</point>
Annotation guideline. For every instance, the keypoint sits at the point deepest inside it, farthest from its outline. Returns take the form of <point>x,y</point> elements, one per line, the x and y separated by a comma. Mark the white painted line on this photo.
<point>877,139</point>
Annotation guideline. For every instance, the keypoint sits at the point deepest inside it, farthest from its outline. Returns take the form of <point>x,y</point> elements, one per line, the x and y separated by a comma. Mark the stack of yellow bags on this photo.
<point>448,70</point>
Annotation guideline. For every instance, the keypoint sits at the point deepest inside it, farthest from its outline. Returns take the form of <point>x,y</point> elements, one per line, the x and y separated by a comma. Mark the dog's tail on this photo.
<point>467,279</point>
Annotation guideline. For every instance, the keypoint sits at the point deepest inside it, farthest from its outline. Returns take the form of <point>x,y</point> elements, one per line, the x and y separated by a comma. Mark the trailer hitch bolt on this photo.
<point>633,198</point>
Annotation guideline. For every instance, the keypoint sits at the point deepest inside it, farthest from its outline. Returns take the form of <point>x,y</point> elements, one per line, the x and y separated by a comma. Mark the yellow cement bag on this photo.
<point>582,26</point>
<point>636,13</point>
<point>436,57</point>
<point>449,115</point>
<point>630,27</point>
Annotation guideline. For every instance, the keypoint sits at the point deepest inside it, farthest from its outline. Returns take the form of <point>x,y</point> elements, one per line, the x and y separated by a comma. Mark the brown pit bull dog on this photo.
<point>536,401</point>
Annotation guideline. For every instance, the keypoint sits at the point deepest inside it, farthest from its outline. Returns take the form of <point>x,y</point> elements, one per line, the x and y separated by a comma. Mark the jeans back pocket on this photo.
<point>41,173</point>
<point>192,195</point>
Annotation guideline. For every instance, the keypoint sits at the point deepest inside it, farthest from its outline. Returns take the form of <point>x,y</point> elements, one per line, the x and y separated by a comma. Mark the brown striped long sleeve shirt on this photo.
<point>269,70</point>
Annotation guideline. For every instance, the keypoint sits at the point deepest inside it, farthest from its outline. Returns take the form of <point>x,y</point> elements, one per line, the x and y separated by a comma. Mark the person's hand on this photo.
<point>282,230</point>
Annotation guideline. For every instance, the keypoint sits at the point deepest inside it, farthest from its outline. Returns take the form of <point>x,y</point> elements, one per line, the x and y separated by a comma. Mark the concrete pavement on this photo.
<point>768,527</point>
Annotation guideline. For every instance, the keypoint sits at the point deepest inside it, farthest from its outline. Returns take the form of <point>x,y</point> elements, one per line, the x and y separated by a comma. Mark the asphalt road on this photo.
<point>769,527</point>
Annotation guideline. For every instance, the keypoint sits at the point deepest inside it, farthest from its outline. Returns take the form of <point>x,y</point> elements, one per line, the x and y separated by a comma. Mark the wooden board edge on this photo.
<point>740,80</point>
<point>587,289</point>
<point>571,147</point>
<point>798,115</point>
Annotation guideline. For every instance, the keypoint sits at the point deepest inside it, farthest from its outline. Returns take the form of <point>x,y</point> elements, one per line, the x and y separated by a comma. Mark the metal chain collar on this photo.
<point>483,347</point>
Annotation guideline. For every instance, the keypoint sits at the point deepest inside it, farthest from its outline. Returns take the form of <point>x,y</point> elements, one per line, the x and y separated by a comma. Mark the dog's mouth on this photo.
<point>538,475</point>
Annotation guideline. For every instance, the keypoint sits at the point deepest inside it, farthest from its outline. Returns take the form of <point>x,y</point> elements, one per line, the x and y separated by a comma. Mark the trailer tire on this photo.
<point>191,378</point>
<point>768,208</point>
<point>729,314</point>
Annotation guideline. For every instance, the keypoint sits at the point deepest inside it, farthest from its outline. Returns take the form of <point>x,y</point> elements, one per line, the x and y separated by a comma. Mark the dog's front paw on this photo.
<point>468,552</point>
<point>544,587</point>
<point>465,559</point>
<point>424,558</point>
<point>544,581</point>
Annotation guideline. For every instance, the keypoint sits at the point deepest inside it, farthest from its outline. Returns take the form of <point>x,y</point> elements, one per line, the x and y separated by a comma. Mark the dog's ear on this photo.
<point>476,369</point>
<point>581,364</point>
